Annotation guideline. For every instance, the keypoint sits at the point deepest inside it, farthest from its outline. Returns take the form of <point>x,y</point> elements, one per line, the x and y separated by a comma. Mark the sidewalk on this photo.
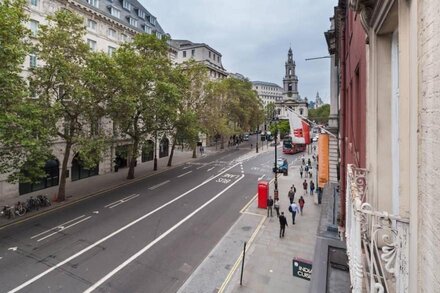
<point>268,263</point>
<point>80,189</point>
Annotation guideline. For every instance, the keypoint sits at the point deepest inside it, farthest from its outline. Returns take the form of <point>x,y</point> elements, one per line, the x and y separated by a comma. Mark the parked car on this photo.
<point>282,166</point>
<point>246,137</point>
<point>315,138</point>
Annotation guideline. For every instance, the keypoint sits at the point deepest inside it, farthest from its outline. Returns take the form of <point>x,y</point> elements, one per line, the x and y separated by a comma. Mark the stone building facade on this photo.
<point>108,25</point>
<point>390,201</point>
<point>268,92</point>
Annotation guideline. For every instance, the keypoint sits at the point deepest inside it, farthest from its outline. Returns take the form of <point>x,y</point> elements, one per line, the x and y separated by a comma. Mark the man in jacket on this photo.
<point>293,209</point>
<point>283,224</point>
<point>269,206</point>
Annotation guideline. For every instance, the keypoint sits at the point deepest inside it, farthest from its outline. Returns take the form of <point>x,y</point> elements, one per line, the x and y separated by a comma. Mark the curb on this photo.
<point>79,198</point>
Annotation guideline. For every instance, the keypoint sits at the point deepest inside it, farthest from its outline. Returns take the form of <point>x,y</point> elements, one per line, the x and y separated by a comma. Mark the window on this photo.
<point>218,59</point>
<point>126,5</point>
<point>34,2</point>
<point>124,37</point>
<point>111,33</point>
<point>32,60</point>
<point>193,52</point>
<point>111,50</point>
<point>184,54</point>
<point>147,29</point>
<point>33,26</point>
<point>93,2</point>
<point>91,24</point>
<point>158,35</point>
<point>209,54</point>
<point>141,14</point>
<point>132,21</point>
<point>115,12</point>
<point>92,44</point>
<point>152,20</point>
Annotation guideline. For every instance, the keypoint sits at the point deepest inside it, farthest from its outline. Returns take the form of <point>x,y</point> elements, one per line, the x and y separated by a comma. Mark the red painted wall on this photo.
<point>353,98</point>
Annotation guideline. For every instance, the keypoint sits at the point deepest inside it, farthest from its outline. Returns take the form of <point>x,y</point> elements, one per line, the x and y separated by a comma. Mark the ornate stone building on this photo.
<point>291,98</point>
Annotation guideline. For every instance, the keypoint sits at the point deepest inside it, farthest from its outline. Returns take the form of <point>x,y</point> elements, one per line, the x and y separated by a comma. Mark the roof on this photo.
<point>265,83</point>
<point>104,8</point>
<point>186,44</point>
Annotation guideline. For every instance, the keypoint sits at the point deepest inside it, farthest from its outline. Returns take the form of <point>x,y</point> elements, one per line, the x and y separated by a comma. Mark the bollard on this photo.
<point>242,264</point>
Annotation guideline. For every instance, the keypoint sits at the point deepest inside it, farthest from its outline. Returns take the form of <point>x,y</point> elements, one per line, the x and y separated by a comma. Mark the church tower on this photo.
<point>291,98</point>
<point>290,80</point>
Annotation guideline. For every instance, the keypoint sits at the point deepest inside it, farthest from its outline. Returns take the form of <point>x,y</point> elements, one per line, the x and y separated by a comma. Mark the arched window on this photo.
<point>52,170</point>
<point>164,147</point>
<point>79,171</point>
<point>148,151</point>
<point>301,111</point>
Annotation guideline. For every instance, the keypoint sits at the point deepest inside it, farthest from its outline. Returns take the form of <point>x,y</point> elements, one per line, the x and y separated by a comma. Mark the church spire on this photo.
<point>290,80</point>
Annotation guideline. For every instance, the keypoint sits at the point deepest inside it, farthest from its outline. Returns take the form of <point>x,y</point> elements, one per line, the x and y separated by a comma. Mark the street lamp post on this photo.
<point>275,192</point>
<point>256,145</point>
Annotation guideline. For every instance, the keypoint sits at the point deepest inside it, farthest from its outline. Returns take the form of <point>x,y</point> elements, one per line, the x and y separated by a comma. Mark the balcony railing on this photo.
<point>377,242</point>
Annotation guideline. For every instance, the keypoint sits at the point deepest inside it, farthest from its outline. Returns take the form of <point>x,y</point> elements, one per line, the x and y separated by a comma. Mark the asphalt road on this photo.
<point>148,236</point>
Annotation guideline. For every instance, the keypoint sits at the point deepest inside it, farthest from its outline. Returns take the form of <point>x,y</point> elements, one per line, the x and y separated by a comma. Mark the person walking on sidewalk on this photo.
<point>301,171</point>
<point>303,160</point>
<point>293,208</point>
<point>305,185</point>
<point>276,206</point>
<point>283,224</point>
<point>310,174</point>
<point>269,206</point>
<point>312,187</point>
<point>309,162</point>
<point>291,194</point>
<point>301,203</point>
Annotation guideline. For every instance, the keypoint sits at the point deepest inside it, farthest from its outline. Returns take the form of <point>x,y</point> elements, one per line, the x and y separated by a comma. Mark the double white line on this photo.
<point>121,201</point>
<point>61,227</point>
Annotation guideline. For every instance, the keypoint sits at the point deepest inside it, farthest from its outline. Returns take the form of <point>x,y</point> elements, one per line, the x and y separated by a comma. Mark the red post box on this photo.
<point>263,194</point>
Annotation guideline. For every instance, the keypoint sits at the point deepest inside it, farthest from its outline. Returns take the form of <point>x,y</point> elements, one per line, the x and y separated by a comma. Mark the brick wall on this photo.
<point>429,146</point>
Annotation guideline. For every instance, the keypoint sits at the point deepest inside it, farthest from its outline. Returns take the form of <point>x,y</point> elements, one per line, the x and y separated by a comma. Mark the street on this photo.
<point>148,236</point>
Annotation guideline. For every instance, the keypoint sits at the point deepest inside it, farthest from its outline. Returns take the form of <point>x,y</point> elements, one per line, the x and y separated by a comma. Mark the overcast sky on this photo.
<point>254,36</point>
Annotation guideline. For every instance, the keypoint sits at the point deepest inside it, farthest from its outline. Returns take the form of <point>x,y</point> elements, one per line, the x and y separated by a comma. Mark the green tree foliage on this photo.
<point>233,107</point>
<point>61,84</point>
<point>282,126</point>
<point>145,102</point>
<point>320,115</point>
<point>24,140</point>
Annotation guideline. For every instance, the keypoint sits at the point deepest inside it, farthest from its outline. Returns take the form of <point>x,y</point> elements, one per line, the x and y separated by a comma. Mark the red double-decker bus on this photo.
<point>290,147</point>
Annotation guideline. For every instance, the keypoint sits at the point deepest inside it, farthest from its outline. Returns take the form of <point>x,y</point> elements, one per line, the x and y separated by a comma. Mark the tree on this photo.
<point>61,86</point>
<point>145,104</point>
<point>24,139</point>
<point>269,113</point>
<point>320,115</point>
<point>192,77</point>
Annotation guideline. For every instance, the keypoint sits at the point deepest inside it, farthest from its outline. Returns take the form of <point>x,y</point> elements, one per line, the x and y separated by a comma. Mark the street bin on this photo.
<point>263,194</point>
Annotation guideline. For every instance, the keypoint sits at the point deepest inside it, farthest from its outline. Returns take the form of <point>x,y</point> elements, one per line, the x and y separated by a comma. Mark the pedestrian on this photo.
<point>319,195</point>
<point>305,185</point>
<point>301,170</point>
<point>291,194</point>
<point>283,224</point>
<point>276,206</point>
<point>312,187</point>
<point>293,208</point>
<point>314,158</point>
<point>309,162</point>
<point>303,159</point>
<point>301,203</point>
<point>269,206</point>
<point>251,146</point>
<point>310,174</point>
<point>306,168</point>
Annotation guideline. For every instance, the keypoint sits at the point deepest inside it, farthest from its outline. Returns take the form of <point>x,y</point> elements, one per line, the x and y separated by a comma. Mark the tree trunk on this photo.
<point>222,144</point>
<point>62,187</point>
<point>170,159</point>
<point>194,152</point>
<point>133,158</point>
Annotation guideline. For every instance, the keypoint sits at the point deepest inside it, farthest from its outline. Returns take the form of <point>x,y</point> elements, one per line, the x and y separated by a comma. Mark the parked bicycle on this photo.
<point>18,209</point>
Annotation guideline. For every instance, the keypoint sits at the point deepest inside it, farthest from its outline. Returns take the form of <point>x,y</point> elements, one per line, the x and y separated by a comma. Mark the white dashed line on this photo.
<point>158,185</point>
<point>181,175</point>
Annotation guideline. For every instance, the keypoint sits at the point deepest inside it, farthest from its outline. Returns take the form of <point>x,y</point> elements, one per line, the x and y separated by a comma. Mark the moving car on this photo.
<point>246,137</point>
<point>282,166</point>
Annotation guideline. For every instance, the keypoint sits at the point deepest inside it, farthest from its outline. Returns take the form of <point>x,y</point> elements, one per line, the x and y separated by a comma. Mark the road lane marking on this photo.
<point>13,248</point>
<point>64,228</point>
<point>42,274</point>
<point>181,175</point>
<point>198,168</point>
<point>121,201</point>
<point>143,250</point>
<point>211,169</point>
<point>186,167</point>
<point>57,227</point>
<point>239,259</point>
<point>264,175</point>
<point>159,185</point>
